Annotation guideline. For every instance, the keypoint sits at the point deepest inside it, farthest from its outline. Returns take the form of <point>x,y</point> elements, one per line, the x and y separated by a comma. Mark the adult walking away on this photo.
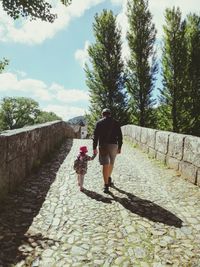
<point>108,137</point>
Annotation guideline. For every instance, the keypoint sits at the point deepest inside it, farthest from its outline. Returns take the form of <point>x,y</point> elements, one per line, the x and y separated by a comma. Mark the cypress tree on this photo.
<point>105,76</point>
<point>174,64</point>
<point>193,92</point>
<point>142,66</point>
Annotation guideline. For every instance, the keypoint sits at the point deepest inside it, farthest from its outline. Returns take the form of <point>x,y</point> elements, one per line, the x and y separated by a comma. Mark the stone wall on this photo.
<point>178,151</point>
<point>23,149</point>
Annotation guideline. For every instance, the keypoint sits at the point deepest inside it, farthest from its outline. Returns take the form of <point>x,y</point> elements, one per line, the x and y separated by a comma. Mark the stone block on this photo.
<point>128,130</point>
<point>161,157</point>
<point>198,177</point>
<point>172,162</point>
<point>138,131</point>
<point>17,145</point>
<point>191,152</point>
<point>44,146</point>
<point>17,172</point>
<point>69,133</point>
<point>162,139</point>
<point>188,171</point>
<point>144,135</point>
<point>35,136</point>
<point>3,148</point>
<point>4,180</point>
<point>152,152</point>
<point>32,159</point>
<point>54,136</point>
<point>151,137</point>
<point>176,145</point>
<point>133,132</point>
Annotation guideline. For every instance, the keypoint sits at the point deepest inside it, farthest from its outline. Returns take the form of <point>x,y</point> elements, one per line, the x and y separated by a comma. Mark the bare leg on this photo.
<point>110,169</point>
<point>78,178</point>
<point>81,181</point>
<point>106,173</point>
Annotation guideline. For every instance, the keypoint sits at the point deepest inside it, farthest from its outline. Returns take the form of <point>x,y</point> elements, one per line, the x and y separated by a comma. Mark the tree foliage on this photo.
<point>174,63</point>
<point>44,116</point>
<point>33,9</point>
<point>142,66</point>
<point>3,63</point>
<point>193,90</point>
<point>105,75</point>
<point>17,112</point>
<point>163,120</point>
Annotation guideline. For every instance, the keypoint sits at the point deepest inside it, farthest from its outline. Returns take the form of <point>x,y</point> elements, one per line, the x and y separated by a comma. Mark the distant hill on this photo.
<point>79,120</point>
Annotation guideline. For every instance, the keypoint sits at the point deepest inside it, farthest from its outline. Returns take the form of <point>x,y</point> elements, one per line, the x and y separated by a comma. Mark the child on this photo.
<point>80,165</point>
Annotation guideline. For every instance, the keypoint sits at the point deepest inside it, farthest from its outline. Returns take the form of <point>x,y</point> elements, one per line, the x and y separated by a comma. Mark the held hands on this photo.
<point>95,152</point>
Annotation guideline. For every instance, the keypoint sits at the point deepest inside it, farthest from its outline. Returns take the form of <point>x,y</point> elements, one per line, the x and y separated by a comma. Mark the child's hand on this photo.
<point>95,152</point>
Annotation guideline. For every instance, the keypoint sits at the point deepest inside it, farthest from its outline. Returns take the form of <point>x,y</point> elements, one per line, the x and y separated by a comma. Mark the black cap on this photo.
<point>106,111</point>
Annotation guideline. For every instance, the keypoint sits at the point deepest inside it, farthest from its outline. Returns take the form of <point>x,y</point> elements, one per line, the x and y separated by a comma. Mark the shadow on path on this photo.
<point>146,208</point>
<point>97,197</point>
<point>20,208</point>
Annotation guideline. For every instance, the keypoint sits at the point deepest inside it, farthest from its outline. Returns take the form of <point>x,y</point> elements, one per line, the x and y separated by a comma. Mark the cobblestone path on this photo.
<point>150,219</point>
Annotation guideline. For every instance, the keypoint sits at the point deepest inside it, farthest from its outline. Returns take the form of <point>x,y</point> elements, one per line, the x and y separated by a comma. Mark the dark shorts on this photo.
<point>107,154</point>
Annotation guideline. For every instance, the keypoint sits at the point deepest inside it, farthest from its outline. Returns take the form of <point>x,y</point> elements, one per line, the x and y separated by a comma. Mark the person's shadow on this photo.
<point>146,208</point>
<point>96,196</point>
<point>21,207</point>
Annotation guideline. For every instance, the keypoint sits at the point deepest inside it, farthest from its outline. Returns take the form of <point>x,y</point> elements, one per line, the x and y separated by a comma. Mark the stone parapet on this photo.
<point>178,151</point>
<point>22,150</point>
<point>162,142</point>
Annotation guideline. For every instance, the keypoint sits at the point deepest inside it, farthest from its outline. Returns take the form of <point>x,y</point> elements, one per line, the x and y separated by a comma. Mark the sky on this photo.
<point>47,59</point>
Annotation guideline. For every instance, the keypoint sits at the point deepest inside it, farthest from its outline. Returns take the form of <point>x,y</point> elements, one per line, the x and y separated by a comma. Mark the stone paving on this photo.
<point>150,219</point>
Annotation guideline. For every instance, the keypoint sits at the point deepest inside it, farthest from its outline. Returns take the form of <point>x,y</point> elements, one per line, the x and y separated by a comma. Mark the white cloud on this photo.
<point>35,32</point>
<point>8,81</point>
<point>157,9</point>
<point>65,112</point>
<point>70,95</point>
<point>21,73</point>
<point>81,55</point>
<point>55,97</point>
<point>122,21</point>
<point>37,89</point>
<point>116,2</point>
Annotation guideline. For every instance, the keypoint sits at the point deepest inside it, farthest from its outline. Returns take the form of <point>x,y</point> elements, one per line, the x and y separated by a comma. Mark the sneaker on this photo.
<point>110,183</point>
<point>106,189</point>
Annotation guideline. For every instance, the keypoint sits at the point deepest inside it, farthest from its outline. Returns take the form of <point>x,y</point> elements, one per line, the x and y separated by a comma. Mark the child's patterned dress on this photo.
<point>81,167</point>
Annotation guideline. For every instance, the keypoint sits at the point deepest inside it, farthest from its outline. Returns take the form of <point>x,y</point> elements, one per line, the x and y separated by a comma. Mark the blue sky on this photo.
<point>46,60</point>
